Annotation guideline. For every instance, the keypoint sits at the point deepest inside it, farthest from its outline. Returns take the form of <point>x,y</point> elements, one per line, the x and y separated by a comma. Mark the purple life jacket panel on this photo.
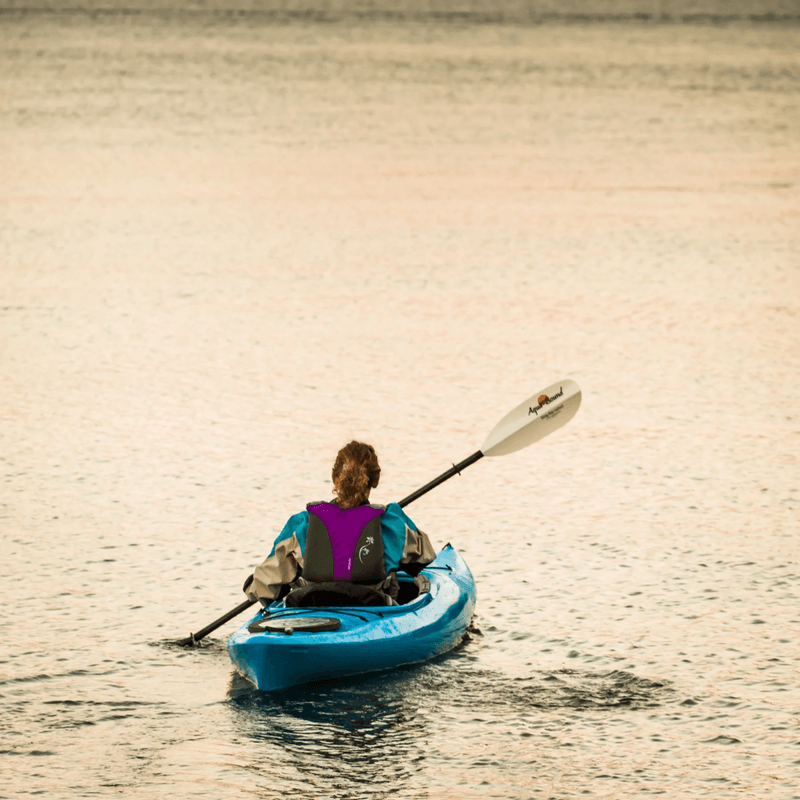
<point>344,544</point>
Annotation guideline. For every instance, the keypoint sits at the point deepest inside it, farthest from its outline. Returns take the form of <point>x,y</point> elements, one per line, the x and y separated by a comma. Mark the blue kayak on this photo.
<point>282,647</point>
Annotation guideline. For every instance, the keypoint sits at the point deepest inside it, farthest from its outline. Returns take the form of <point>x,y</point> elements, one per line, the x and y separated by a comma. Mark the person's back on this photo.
<point>344,544</point>
<point>343,552</point>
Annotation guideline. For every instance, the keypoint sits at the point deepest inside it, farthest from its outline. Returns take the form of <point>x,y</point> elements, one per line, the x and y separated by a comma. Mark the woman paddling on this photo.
<point>346,552</point>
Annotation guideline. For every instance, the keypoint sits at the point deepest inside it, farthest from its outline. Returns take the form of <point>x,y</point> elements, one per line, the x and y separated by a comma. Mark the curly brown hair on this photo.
<point>355,471</point>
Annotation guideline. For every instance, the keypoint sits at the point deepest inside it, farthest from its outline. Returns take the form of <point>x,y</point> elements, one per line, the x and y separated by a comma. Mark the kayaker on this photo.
<point>348,549</point>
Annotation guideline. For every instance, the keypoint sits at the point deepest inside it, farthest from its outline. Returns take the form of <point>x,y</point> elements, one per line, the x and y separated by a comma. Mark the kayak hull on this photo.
<point>368,639</point>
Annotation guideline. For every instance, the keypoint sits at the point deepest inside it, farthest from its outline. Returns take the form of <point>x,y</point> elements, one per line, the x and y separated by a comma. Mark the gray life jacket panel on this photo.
<point>344,544</point>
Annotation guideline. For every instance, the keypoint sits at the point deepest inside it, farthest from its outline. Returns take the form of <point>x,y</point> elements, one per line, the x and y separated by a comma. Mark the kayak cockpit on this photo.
<point>411,588</point>
<point>337,595</point>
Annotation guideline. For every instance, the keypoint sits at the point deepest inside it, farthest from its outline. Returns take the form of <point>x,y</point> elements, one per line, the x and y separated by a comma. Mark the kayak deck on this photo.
<point>274,651</point>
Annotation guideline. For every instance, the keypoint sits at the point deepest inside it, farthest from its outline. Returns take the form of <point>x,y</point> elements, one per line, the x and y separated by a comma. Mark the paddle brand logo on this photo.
<point>364,551</point>
<point>543,400</point>
<point>555,412</point>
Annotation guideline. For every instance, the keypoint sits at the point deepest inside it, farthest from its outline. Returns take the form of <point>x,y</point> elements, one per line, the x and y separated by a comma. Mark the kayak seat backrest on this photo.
<point>344,544</point>
<point>335,594</point>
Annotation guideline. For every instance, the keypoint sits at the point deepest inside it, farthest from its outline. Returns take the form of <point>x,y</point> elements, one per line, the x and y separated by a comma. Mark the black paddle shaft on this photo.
<point>454,470</point>
<point>193,638</point>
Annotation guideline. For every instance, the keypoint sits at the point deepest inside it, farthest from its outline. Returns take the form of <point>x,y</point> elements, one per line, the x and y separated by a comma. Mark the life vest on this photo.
<point>344,544</point>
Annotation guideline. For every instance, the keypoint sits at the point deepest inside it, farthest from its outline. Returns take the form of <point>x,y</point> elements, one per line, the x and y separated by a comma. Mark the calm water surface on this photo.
<point>228,244</point>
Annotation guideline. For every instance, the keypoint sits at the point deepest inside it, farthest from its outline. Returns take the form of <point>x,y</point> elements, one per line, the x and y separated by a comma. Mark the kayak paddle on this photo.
<point>529,422</point>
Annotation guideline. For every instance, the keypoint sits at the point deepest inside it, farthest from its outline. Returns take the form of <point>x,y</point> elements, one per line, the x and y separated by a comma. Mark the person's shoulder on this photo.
<point>295,526</point>
<point>295,522</point>
<point>394,512</point>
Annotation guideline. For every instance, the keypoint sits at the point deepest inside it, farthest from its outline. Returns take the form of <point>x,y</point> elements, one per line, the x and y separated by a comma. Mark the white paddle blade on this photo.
<point>534,419</point>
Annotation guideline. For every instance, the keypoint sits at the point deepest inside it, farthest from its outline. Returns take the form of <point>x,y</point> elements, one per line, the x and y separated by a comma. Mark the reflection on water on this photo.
<point>231,245</point>
<point>357,736</point>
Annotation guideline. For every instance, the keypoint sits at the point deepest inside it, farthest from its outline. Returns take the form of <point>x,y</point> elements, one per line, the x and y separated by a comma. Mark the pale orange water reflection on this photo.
<point>228,246</point>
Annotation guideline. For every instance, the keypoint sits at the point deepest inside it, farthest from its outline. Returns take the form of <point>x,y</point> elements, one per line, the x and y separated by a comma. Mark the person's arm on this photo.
<point>283,564</point>
<point>410,549</point>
